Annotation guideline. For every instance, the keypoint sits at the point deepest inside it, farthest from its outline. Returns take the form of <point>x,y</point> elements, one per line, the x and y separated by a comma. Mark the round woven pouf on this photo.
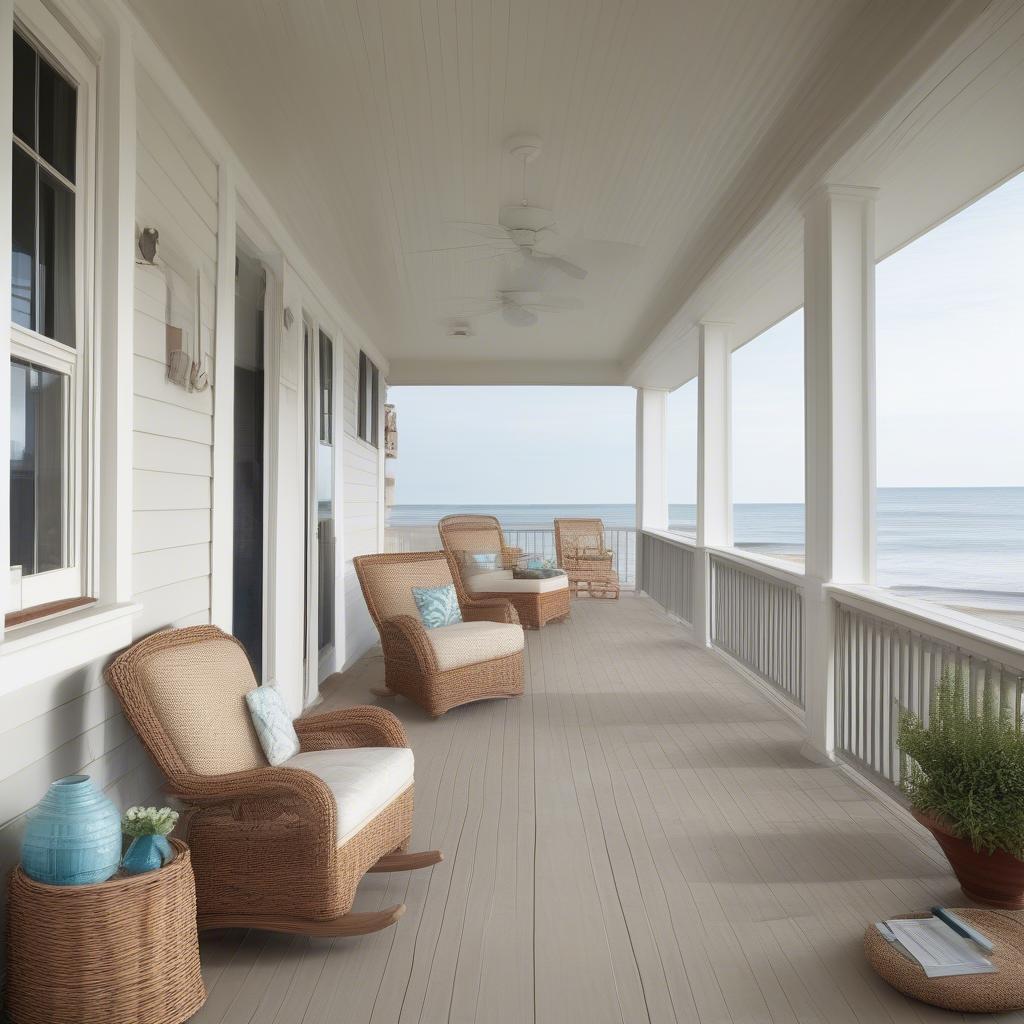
<point>970,993</point>
<point>118,951</point>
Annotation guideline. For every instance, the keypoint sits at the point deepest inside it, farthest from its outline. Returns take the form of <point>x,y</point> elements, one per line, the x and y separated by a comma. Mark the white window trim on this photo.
<point>46,34</point>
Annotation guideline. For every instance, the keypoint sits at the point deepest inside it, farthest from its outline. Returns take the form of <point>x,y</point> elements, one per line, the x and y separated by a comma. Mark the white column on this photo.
<point>651,459</point>
<point>839,383</point>
<point>714,463</point>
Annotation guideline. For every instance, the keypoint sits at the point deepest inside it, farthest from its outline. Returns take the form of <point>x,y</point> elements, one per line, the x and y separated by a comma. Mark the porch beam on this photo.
<point>839,383</point>
<point>714,463</point>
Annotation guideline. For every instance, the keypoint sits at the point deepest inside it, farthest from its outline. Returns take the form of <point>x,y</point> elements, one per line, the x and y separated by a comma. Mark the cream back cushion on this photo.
<point>390,584</point>
<point>198,693</point>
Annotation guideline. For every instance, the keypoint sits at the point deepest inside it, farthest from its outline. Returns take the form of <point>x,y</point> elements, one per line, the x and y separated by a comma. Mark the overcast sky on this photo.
<point>950,399</point>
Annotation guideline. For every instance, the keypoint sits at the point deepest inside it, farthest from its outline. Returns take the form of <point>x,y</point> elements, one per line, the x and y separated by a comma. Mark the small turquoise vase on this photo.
<point>72,836</point>
<point>147,853</point>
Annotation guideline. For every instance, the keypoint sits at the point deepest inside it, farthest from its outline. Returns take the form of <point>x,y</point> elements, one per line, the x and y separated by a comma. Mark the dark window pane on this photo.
<point>24,91</point>
<point>23,238</point>
<point>362,408</point>
<point>37,468</point>
<point>326,389</point>
<point>57,110</point>
<point>56,260</point>
<point>375,407</point>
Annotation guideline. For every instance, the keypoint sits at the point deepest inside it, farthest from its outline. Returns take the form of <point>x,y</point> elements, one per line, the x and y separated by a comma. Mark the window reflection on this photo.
<point>37,468</point>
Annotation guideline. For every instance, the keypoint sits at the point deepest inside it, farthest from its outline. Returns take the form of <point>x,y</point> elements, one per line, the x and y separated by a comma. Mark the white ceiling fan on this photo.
<point>520,309</point>
<point>523,230</point>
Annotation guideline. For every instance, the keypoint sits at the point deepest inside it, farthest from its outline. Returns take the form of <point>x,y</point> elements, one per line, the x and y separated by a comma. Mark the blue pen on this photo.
<point>962,928</point>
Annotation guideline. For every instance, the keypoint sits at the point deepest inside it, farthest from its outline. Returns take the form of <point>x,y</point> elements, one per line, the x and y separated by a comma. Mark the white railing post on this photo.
<point>839,384</point>
<point>714,464</point>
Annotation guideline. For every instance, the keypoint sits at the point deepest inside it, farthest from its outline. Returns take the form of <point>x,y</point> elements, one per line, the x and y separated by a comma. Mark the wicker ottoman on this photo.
<point>1000,992</point>
<point>119,951</point>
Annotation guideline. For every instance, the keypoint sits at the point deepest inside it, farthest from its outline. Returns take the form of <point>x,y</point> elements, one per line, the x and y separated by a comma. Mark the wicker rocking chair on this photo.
<point>440,668</point>
<point>276,848</point>
<point>581,552</point>
<point>468,538</point>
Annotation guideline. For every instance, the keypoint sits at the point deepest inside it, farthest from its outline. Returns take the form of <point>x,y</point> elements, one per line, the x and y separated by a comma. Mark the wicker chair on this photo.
<point>581,552</point>
<point>466,536</point>
<point>278,848</point>
<point>440,668</point>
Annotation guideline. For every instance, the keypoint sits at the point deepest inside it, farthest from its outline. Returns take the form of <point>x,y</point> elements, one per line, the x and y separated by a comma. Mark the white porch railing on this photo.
<point>757,618</point>
<point>889,652</point>
<point>889,658</point>
<point>666,572</point>
<point>533,540</point>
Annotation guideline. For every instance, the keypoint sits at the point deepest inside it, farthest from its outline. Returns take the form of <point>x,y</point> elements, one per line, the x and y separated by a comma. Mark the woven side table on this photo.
<point>1000,992</point>
<point>119,951</point>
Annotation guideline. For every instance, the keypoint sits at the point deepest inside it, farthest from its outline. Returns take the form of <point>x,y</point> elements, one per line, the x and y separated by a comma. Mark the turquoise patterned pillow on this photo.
<point>273,724</point>
<point>438,606</point>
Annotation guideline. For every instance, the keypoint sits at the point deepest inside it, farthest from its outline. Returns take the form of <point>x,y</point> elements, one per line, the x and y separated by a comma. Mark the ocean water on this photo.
<point>949,544</point>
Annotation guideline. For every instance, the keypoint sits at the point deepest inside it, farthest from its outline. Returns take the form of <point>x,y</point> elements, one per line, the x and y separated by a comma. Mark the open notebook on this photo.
<point>939,950</point>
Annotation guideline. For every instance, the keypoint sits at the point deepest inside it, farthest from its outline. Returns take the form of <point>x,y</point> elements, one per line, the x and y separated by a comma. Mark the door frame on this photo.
<point>316,665</point>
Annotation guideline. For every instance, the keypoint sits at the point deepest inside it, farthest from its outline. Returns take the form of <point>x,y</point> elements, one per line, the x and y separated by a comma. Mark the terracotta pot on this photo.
<point>993,879</point>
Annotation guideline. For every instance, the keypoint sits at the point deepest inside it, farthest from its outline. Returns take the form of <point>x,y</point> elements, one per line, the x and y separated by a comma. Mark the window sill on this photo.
<point>37,650</point>
<point>45,611</point>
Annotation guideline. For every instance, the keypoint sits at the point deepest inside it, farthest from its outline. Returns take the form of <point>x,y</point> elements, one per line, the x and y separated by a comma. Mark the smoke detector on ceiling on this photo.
<point>460,329</point>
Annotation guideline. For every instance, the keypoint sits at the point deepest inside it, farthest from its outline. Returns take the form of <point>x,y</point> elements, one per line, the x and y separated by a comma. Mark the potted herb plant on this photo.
<point>150,848</point>
<point>966,784</point>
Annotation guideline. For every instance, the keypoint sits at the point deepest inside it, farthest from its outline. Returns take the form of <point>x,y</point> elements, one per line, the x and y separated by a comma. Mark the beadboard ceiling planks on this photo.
<point>372,125</point>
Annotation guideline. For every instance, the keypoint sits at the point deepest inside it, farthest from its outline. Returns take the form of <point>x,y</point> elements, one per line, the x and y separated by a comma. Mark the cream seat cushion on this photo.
<point>467,643</point>
<point>501,582</point>
<point>364,780</point>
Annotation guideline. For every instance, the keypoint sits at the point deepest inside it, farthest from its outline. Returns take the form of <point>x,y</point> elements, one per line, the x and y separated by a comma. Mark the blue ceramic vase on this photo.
<point>147,853</point>
<point>72,836</point>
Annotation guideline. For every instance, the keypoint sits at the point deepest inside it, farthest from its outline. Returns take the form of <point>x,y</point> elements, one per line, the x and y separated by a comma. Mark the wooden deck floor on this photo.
<point>636,839</point>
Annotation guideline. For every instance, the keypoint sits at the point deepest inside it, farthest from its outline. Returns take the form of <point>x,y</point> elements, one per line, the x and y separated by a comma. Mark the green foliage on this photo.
<point>148,821</point>
<point>967,766</point>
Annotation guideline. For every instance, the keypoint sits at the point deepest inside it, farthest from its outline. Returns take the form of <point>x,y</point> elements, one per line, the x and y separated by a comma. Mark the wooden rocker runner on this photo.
<point>277,848</point>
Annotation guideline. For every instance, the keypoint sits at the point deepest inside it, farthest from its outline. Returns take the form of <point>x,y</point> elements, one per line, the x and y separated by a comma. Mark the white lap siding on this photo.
<point>72,723</point>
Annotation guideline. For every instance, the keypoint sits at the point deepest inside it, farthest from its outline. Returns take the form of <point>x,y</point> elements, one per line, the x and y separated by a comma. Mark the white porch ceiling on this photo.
<point>666,125</point>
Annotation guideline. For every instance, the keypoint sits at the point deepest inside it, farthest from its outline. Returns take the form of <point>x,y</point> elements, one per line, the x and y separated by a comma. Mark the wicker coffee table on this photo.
<point>1000,992</point>
<point>118,951</point>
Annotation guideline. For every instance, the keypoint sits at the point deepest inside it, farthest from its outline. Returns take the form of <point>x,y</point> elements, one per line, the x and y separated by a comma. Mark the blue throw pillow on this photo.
<point>486,562</point>
<point>438,606</point>
<point>273,724</point>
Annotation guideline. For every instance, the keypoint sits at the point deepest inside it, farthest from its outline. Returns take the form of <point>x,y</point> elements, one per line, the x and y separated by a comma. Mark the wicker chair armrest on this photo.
<point>204,790</point>
<point>405,637</point>
<point>491,609</point>
<point>363,726</point>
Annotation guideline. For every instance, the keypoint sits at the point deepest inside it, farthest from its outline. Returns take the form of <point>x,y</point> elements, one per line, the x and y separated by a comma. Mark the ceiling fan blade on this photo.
<point>498,254</point>
<point>455,248</point>
<point>554,305</point>
<point>483,230</point>
<point>517,315</point>
<point>559,263</point>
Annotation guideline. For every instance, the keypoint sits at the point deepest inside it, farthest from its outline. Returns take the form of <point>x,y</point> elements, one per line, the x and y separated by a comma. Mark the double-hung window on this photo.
<point>48,343</point>
<point>369,400</point>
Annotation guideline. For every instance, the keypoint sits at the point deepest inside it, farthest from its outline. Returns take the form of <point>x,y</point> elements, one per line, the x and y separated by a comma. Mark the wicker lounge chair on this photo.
<point>581,552</point>
<point>278,848</point>
<point>468,538</point>
<point>447,666</point>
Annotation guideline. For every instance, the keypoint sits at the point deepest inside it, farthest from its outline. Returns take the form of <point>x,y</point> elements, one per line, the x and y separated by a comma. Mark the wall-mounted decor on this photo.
<point>390,432</point>
<point>185,358</point>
